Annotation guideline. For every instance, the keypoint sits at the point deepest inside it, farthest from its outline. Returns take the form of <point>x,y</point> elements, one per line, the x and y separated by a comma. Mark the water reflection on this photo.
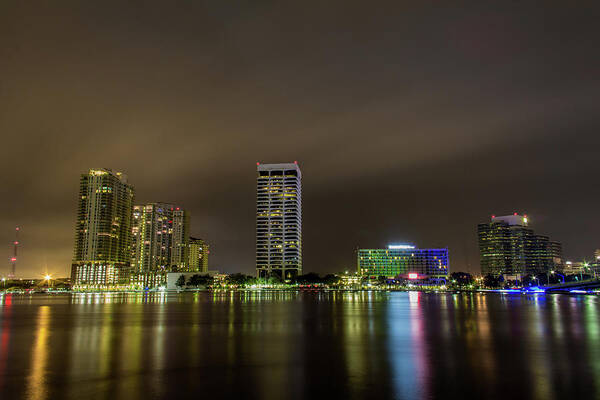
<point>5,334</point>
<point>299,344</point>
<point>36,380</point>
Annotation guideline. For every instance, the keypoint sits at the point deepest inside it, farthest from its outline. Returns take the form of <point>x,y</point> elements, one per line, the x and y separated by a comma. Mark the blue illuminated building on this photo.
<point>403,261</point>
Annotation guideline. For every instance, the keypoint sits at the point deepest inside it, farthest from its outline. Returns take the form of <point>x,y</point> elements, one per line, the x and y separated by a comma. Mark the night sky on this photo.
<point>411,122</point>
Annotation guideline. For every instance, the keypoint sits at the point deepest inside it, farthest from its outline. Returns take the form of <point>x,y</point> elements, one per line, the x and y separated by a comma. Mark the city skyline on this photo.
<point>184,215</point>
<point>284,199</point>
<point>421,120</point>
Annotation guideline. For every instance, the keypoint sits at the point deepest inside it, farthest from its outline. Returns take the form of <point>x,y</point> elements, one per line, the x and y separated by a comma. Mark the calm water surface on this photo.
<point>280,345</point>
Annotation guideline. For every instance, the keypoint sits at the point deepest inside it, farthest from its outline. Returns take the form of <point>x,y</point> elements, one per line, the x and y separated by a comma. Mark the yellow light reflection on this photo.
<point>36,381</point>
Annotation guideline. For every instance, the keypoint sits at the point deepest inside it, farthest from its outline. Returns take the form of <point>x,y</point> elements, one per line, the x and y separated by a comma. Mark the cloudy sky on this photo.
<point>411,121</point>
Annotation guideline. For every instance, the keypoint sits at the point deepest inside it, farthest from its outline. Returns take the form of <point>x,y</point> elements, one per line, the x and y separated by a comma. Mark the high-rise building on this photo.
<point>507,246</point>
<point>556,253</point>
<point>180,240</point>
<point>279,221</point>
<point>103,232</point>
<point>405,261</point>
<point>159,232</point>
<point>197,256</point>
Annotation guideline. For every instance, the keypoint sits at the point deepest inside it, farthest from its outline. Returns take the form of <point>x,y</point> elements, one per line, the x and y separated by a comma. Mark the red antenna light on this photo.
<point>296,162</point>
<point>257,163</point>
<point>493,216</point>
<point>515,214</point>
<point>13,259</point>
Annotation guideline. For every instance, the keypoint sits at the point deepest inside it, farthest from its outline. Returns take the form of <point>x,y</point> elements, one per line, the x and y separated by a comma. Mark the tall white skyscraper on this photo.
<point>279,221</point>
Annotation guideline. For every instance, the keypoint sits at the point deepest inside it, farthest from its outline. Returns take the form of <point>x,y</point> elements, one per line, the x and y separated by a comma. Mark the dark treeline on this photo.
<point>238,279</point>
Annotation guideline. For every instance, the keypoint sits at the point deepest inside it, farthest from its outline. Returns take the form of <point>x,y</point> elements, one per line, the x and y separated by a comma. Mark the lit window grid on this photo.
<point>279,222</point>
<point>515,250</point>
<point>103,230</point>
<point>391,263</point>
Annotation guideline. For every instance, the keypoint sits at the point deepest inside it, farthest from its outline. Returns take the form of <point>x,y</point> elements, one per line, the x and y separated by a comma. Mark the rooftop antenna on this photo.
<point>13,259</point>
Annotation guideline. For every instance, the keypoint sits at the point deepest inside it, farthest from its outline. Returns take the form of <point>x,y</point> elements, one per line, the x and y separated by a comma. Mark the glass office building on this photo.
<point>507,246</point>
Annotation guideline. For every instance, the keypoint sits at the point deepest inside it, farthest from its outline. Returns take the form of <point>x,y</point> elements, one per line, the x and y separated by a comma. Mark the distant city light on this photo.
<point>400,246</point>
<point>413,275</point>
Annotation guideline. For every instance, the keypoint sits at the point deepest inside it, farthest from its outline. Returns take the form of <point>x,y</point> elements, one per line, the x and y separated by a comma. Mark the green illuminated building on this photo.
<point>404,261</point>
<point>101,256</point>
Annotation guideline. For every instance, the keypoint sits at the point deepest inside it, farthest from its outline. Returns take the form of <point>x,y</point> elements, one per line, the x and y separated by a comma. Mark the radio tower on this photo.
<point>13,260</point>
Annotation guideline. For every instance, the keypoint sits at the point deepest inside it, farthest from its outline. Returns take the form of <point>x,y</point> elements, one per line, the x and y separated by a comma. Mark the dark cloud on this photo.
<point>411,121</point>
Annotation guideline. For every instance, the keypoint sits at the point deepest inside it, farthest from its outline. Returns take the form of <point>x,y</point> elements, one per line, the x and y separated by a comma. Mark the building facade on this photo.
<point>507,246</point>
<point>101,256</point>
<point>582,268</point>
<point>180,239</point>
<point>404,261</point>
<point>279,221</point>
<point>158,234</point>
<point>197,256</point>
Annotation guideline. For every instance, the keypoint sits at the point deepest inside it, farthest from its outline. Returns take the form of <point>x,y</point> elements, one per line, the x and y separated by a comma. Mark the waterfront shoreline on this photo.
<point>299,290</point>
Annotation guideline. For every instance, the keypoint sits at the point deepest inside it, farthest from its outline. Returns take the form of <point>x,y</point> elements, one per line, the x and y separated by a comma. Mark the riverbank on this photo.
<point>308,290</point>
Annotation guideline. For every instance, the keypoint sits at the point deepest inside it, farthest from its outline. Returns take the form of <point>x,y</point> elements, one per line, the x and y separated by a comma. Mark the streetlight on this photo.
<point>48,279</point>
<point>585,266</point>
<point>591,268</point>
<point>561,275</point>
<point>4,282</point>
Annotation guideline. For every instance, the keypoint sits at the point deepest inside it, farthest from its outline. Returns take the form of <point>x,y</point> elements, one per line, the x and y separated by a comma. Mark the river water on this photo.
<point>282,345</point>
